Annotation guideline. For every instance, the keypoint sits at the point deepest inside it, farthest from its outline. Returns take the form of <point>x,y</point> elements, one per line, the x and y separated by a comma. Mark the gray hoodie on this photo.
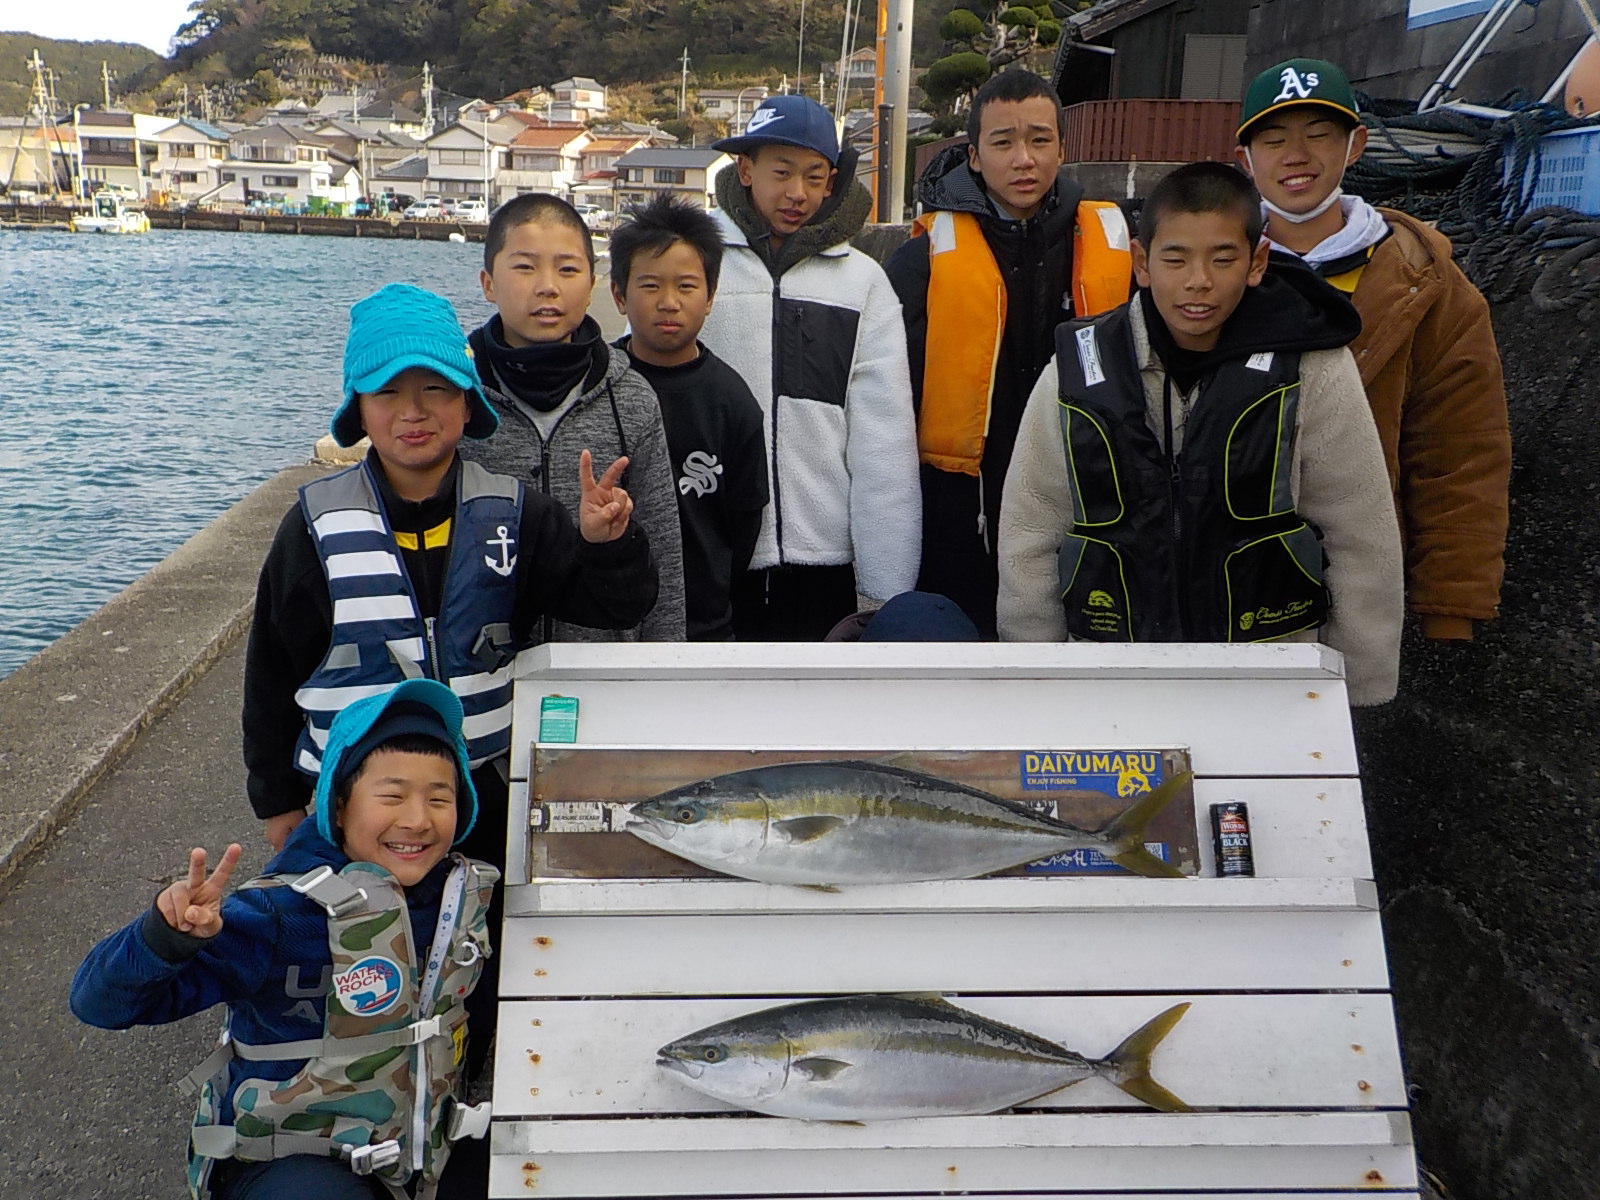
<point>618,415</point>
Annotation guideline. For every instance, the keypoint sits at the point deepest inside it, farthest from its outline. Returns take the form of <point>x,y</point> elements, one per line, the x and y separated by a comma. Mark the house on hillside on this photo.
<point>860,70</point>
<point>466,159</point>
<point>118,148</point>
<point>189,158</point>
<point>577,99</point>
<point>731,106</point>
<point>654,134</point>
<point>39,161</point>
<point>690,174</point>
<point>545,160</point>
<point>372,149</point>
<point>276,161</point>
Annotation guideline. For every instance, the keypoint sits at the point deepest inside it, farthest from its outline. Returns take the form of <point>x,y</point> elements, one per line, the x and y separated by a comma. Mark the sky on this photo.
<point>149,22</point>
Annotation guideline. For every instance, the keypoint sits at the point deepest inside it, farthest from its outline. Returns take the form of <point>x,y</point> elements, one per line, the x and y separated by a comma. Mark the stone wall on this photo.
<point>1482,783</point>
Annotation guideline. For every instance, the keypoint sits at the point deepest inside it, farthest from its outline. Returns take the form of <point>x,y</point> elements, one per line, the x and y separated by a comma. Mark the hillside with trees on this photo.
<point>76,66</point>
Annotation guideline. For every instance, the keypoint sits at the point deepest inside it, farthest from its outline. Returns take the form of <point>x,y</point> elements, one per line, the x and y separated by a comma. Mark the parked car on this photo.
<point>427,209</point>
<point>474,212</point>
<point>594,216</point>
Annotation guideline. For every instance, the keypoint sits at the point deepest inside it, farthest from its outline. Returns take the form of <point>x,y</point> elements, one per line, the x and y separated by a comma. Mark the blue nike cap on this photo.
<point>787,121</point>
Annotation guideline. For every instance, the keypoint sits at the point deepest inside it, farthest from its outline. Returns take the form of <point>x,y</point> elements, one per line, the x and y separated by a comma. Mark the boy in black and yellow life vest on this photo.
<point>1200,465</point>
<point>1006,249</point>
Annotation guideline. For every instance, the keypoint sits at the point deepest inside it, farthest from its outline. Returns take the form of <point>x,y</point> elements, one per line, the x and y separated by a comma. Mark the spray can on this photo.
<point>1230,838</point>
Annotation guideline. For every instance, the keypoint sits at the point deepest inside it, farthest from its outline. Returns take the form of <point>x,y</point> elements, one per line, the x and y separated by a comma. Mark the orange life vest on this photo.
<point>967,316</point>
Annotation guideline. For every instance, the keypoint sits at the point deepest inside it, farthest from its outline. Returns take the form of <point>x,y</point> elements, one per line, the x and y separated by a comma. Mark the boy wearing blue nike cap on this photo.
<point>813,327</point>
<point>417,564</point>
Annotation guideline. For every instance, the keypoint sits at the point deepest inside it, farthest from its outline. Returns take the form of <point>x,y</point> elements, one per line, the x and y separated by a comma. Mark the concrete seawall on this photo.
<point>71,712</point>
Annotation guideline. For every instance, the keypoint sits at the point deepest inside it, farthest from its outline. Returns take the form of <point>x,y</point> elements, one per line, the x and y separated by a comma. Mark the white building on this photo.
<point>546,160</point>
<point>690,174</point>
<point>277,162</point>
<point>189,158</point>
<point>118,148</point>
<point>466,159</point>
<point>731,106</point>
<point>577,99</point>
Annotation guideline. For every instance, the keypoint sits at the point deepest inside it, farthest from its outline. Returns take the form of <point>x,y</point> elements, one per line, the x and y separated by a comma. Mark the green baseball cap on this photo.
<point>1299,81</point>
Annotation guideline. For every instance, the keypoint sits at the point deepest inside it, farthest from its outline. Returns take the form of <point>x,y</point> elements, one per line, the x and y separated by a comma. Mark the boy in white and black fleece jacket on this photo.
<point>814,328</point>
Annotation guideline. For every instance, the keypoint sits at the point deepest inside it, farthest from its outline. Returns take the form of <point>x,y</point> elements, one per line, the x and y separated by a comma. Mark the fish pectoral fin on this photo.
<point>820,1069</point>
<point>806,829</point>
<point>819,887</point>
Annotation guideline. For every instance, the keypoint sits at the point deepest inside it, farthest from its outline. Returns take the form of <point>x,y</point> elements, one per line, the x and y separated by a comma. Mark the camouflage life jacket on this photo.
<point>378,1089</point>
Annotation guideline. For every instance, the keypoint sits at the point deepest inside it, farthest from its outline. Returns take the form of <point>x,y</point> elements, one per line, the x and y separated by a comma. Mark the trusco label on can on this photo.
<point>558,719</point>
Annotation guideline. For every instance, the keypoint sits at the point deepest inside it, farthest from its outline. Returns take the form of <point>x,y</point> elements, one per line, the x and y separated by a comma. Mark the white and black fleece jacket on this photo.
<point>614,416</point>
<point>817,335</point>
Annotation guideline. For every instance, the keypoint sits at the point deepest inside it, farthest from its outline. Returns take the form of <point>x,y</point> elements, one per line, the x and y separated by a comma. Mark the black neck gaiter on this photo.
<point>543,374</point>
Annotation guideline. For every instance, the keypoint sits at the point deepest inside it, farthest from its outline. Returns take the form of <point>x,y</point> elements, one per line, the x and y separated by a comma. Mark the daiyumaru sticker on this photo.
<point>1122,773</point>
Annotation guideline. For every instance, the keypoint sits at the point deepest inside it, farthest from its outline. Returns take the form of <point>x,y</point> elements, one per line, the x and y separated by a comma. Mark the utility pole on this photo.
<point>800,55</point>
<point>186,99</point>
<point>683,85</point>
<point>427,101</point>
<point>897,91</point>
<point>105,80</point>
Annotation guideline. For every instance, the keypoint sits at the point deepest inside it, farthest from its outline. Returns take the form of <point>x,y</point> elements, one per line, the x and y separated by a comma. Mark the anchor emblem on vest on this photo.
<point>508,561</point>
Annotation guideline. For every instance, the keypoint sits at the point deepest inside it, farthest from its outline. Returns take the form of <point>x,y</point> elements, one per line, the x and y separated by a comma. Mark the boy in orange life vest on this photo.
<point>1426,350</point>
<point>1006,249</point>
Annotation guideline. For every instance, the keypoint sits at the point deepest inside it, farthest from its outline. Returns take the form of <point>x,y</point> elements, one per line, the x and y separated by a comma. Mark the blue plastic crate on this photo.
<point>1569,170</point>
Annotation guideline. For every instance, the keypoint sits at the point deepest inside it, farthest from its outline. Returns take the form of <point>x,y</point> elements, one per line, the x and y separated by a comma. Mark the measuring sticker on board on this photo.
<point>558,719</point>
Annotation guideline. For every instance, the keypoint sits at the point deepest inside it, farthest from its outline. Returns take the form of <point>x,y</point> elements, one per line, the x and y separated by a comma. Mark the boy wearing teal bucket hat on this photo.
<point>417,564</point>
<point>1426,350</point>
<point>347,1090</point>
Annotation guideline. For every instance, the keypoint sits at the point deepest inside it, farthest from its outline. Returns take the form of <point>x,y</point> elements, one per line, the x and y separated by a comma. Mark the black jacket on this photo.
<point>1035,260</point>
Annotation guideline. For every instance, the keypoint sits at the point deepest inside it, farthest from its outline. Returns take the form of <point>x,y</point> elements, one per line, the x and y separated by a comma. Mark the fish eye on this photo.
<point>713,1054</point>
<point>686,814</point>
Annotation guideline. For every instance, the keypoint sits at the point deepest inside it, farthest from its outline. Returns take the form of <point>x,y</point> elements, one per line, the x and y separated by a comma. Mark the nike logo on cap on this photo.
<point>762,118</point>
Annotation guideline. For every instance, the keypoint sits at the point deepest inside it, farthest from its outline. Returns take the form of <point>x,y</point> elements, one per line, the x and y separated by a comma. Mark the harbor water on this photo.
<point>147,383</point>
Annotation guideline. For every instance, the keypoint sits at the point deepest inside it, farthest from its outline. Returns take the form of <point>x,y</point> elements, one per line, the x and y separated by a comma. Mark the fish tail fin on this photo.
<point>1128,1066</point>
<point>1125,834</point>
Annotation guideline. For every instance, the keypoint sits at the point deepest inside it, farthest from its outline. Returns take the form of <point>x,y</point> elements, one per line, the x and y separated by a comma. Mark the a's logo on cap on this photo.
<point>761,118</point>
<point>1301,86</point>
<point>370,988</point>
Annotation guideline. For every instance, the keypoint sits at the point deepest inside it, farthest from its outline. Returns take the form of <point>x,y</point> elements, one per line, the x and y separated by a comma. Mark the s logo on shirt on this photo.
<point>700,471</point>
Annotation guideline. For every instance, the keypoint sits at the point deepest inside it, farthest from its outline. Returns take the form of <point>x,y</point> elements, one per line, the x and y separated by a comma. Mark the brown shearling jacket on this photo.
<point>1428,360</point>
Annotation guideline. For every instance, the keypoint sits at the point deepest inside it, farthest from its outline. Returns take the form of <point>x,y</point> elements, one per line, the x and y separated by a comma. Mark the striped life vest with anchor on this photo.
<point>380,636</point>
<point>1201,546</point>
<point>378,1088</point>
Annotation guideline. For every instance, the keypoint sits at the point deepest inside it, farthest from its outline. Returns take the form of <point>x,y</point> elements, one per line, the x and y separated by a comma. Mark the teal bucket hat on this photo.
<point>401,326</point>
<point>422,706</point>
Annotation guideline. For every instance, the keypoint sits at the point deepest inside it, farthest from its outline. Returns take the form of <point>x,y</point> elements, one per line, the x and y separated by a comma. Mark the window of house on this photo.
<point>537,162</point>
<point>283,181</point>
<point>230,177</point>
<point>459,158</point>
<point>186,176</point>
<point>668,175</point>
<point>183,150</point>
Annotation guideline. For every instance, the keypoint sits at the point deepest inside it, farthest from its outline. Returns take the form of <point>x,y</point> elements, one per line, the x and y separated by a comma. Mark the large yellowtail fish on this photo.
<point>877,1058</point>
<point>823,824</point>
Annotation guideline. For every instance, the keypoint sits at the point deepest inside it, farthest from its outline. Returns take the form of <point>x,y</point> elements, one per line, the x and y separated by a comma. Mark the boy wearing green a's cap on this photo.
<point>1426,352</point>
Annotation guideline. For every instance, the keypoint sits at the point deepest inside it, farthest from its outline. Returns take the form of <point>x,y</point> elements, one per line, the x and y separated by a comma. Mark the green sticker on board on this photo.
<point>558,719</point>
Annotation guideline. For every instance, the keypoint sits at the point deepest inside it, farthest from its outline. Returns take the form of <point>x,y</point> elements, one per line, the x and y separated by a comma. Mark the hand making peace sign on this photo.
<point>194,905</point>
<point>604,509</point>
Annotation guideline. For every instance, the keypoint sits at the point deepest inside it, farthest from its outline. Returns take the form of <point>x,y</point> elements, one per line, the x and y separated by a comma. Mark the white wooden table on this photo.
<point>1289,1052</point>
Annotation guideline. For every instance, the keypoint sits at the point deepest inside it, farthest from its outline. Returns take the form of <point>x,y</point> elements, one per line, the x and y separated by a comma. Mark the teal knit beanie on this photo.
<point>401,326</point>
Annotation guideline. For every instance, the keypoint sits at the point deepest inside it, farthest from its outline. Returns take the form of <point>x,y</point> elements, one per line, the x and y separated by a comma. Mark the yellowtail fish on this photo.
<point>878,1058</point>
<point>822,824</point>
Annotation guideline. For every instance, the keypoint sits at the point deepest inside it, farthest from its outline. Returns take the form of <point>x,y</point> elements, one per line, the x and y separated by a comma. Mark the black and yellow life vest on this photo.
<point>1205,546</point>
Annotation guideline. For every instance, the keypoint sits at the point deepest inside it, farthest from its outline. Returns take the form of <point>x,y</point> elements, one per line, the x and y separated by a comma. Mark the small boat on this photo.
<point>110,216</point>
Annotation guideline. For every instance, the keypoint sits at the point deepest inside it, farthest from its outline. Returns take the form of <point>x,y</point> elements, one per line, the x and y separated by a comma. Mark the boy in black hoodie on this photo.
<point>1201,464</point>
